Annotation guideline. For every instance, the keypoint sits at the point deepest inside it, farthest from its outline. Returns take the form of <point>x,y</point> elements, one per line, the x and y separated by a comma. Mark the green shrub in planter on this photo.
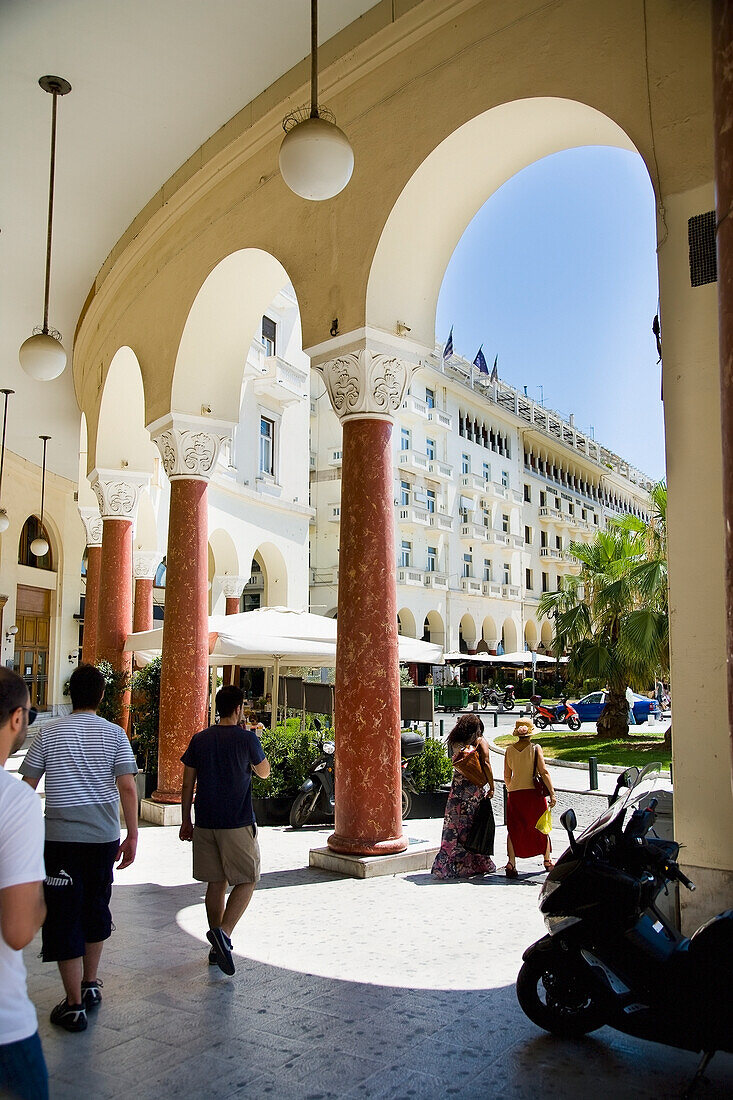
<point>291,752</point>
<point>432,768</point>
<point>145,715</point>
<point>116,684</point>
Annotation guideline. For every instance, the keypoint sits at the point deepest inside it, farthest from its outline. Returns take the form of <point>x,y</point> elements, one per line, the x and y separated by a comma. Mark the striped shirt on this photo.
<point>81,756</point>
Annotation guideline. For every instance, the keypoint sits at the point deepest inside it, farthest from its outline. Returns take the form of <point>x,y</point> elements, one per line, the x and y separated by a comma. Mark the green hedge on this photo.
<point>432,768</point>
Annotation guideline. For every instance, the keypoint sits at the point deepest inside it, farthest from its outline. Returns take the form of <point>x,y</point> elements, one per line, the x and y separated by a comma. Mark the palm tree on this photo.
<point>613,616</point>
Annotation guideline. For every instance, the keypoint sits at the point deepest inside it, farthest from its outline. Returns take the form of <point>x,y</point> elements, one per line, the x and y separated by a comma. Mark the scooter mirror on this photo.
<point>569,821</point>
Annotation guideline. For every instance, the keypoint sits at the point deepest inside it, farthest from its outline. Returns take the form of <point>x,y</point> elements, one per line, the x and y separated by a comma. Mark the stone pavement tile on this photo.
<point>400,1084</point>
<point>454,1063</point>
<point>205,1076</point>
<point>258,1051</point>
<point>281,1086</point>
<point>323,1069</point>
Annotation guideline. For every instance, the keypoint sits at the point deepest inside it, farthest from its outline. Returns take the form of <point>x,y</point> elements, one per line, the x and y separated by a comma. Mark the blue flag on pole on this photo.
<point>494,372</point>
<point>448,349</point>
<point>480,361</point>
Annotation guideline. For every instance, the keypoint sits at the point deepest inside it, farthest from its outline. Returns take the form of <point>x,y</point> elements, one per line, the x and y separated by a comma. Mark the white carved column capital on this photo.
<point>118,492</point>
<point>92,521</point>
<point>189,445</point>
<point>365,384</point>
<point>232,586</point>
<point>145,564</point>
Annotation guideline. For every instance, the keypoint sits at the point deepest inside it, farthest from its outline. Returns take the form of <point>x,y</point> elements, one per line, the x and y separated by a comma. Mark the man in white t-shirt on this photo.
<point>90,768</point>
<point>22,909</point>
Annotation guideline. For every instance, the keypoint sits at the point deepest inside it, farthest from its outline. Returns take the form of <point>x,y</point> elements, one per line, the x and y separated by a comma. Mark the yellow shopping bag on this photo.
<point>544,825</point>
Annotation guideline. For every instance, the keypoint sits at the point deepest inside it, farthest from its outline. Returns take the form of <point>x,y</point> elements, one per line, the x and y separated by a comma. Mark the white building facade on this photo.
<point>490,490</point>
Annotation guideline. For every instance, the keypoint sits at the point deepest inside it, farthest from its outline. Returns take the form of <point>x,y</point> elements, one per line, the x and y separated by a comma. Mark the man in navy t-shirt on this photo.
<point>219,762</point>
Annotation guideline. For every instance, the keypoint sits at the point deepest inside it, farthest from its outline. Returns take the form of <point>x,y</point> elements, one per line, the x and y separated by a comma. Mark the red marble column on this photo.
<point>184,680</point>
<point>91,605</point>
<point>232,608</point>
<point>368,775</point>
<point>143,615</point>
<point>722,23</point>
<point>114,620</point>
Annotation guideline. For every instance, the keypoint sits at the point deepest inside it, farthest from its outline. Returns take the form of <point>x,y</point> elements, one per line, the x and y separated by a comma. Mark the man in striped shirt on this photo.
<point>89,768</point>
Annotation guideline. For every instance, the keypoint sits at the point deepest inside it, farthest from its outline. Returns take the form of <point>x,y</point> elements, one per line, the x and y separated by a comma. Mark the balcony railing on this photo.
<point>494,489</point>
<point>495,538</point>
<point>255,583</point>
<point>471,586</point>
<point>472,483</point>
<point>413,460</point>
<point>433,579</point>
<point>441,520</point>
<point>407,575</point>
<point>511,592</point>
<point>549,552</point>
<point>441,470</point>
<point>440,419</point>
<point>413,409</point>
<point>551,515</point>
<point>281,381</point>
<point>492,589</point>
<point>334,513</point>
<point>516,542</point>
<point>472,532</point>
<point>335,458</point>
<point>411,516</point>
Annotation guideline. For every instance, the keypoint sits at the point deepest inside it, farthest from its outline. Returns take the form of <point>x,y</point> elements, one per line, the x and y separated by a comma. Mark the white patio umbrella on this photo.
<point>275,637</point>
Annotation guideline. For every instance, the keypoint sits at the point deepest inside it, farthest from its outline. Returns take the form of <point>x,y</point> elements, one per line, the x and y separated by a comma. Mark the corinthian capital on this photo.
<point>92,521</point>
<point>232,586</point>
<point>365,384</point>
<point>118,492</point>
<point>189,445</point>
<point>145,564</point>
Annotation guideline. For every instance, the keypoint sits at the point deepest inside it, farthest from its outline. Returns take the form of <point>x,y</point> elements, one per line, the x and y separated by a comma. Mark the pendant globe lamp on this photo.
<point>4,521</point>
<point>42,355</point>
<point>39,546</point>
<point>316,159</point>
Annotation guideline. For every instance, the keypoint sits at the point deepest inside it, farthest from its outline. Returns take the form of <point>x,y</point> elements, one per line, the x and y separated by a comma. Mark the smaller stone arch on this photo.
<point>509,636</point>
<point>467,634</point>
<point>546,634</point>
<point>275,572</point>
<point>406,624</point>
<point>434,628</point>
<point>489,633</point>
<point>530,634</point>
<point>31,530</point>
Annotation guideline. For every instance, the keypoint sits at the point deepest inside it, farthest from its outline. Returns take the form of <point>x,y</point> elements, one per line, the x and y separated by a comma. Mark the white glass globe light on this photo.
<point>316,159</point>
<point>39,547</point>
<point>4,521</point>
<point>42,357</point>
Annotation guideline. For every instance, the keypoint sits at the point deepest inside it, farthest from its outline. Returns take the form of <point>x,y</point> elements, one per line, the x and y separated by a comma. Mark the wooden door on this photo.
<point>32,617</point>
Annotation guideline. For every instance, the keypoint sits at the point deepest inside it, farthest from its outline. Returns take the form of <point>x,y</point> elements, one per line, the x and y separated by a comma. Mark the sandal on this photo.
<point>511,871</point>
<point>548,864</point>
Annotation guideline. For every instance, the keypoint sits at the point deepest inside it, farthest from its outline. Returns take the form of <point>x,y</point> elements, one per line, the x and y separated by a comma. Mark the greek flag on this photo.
<point>448,349</point>
<point>494,372</point>
<point>480,361</point>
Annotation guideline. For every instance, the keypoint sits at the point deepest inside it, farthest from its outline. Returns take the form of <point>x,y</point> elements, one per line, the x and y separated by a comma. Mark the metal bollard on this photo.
<point>496,720</point>
<point>441,729</point>
<point>593,772</point>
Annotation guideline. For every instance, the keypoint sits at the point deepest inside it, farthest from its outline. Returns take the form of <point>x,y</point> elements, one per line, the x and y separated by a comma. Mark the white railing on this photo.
<point>471,532</point>
<point>492,589</point>
<point>510,591</point>
<point>472,483</point>
<point>413,407</point>
<point>551,553</point>
<point>434,579</point>
<point>441,470</point>
<point>409,514</point>
<point>414,460</point>
<point>408,575</point>
<point>471,586</point>
<point>552,514</point>
<point>441,520</point>
<point>282,381</point>
<point>440,419</point>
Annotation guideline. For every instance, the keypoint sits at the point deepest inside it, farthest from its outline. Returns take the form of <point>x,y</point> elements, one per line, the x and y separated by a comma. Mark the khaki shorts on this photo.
<point>231,854</point>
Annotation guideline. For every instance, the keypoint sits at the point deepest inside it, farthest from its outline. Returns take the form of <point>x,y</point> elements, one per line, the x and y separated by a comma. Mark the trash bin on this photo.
<point>452,697</point>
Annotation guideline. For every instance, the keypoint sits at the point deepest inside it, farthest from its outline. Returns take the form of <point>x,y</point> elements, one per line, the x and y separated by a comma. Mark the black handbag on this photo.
<point>481,834</point>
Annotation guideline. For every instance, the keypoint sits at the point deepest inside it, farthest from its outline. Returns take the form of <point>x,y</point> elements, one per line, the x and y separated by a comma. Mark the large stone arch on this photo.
<point>407,624</point>
<point>467,633</point>
<point>121,441</point>
<point>489,632</point>
<point>275,570</point>
<point>546,634</point>
<point>452,184</point>
<point>531,636</point>
<point>509,637</point>
<point>434,628</point>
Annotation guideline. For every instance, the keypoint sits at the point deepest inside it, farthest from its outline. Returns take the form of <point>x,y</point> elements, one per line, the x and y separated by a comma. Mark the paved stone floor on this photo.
<point>388,987</point>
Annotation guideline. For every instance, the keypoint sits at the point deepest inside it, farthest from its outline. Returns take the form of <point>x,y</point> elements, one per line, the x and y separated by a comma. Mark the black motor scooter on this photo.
<point>611,957</point>
<point>492,698</point>
<point>316,796</point>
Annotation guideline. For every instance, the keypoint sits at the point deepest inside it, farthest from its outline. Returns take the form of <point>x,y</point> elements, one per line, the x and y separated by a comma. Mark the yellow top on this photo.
<point>522,766</point>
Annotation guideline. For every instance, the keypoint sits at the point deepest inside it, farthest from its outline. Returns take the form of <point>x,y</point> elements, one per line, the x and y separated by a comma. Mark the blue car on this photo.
<point>590,706</point>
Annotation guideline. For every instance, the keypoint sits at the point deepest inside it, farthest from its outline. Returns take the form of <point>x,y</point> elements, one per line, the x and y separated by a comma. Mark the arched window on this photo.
<point>32,530</point>
<point>159,581</point>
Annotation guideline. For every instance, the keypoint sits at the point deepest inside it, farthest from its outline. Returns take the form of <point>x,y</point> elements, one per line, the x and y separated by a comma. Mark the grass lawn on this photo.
<point>639,748</point>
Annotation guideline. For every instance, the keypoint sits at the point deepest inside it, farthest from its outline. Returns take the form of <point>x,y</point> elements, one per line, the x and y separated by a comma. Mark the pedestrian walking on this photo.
<point>23,1071</point>
<point>465,800</point>
<point>90,768</point>
<point>218,763</point>
<point>526,801</point>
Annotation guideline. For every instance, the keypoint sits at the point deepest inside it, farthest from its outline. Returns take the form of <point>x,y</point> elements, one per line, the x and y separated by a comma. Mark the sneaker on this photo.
<point>70,1017</point>
<point>213,960</point>
<point>91,995</point>
<point>222,946</point>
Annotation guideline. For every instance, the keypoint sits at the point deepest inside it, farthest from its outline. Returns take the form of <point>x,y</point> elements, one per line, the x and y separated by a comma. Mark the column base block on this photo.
<point>160,813</point>
<point>713,895</point>
<point>419,856</point>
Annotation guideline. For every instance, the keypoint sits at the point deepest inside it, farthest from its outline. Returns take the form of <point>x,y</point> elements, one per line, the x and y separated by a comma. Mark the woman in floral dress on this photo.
<point>454,860</point>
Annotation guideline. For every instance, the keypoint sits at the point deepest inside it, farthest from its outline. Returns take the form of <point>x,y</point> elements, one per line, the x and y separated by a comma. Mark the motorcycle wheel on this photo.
<point>574,723</point>
<point>406,803</point>
<point>556,998</point>
<point>303,807</point>
<point>541,722</point>
<point>509,704</point>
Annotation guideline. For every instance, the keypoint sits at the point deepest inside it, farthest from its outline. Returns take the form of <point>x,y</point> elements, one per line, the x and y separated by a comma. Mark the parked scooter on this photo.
<point>543,716</point>
<point>611,957</point>
<point>316,796</point>
<point>490,697</point>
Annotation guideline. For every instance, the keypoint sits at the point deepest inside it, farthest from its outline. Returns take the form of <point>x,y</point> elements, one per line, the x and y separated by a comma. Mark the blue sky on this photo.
<point>557,274</point>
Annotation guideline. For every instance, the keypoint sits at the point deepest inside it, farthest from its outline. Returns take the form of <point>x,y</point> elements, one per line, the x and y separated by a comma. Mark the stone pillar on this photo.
<point>144,567</point>
<point>232,587</point>
<point>189,448</point>
<point>366,387</point>
<point>92,521</point>
<point>723,134</point>
<point>118,495</point>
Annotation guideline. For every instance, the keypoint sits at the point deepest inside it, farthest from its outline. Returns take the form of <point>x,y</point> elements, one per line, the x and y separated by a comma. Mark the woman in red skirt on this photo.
<point>525,803</point>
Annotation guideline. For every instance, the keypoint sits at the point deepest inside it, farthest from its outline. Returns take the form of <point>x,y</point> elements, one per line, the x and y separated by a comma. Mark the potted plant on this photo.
<point>431,772</point>
<point>145,714</point>
<point>291,752</point>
